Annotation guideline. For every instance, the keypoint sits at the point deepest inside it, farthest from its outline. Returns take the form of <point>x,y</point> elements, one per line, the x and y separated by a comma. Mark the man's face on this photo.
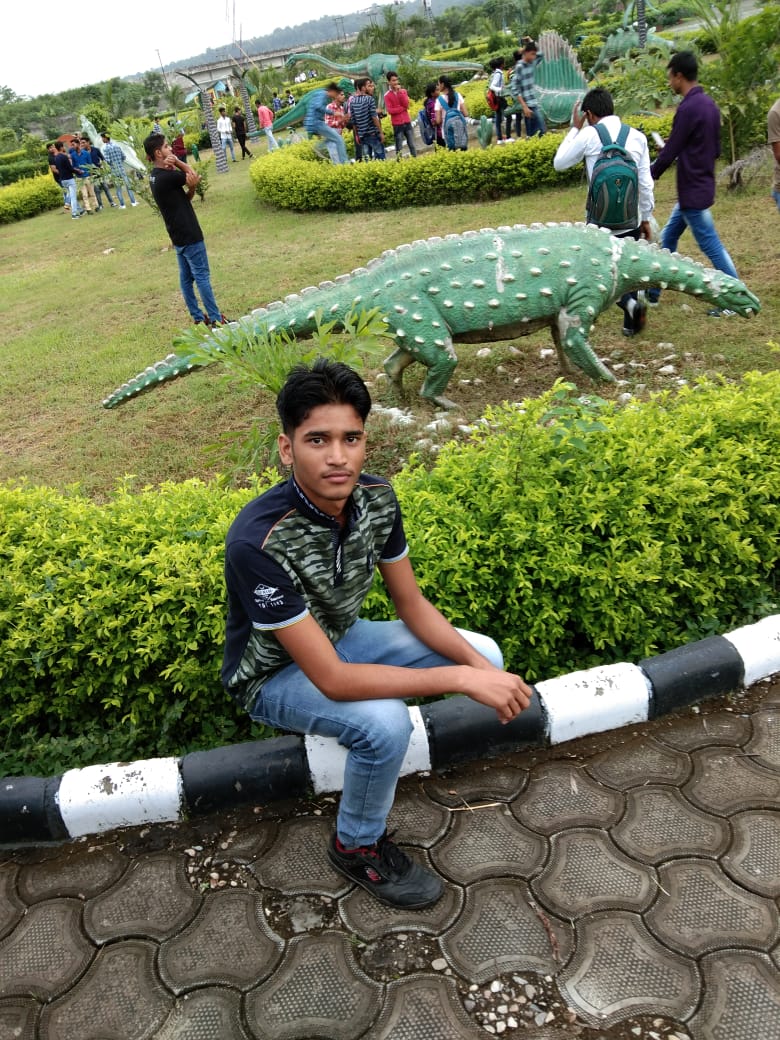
<point>326,452</point>
<point>370,87</point>
<point>393,82</point>
<point>529,57</point>
<point>675,81</point>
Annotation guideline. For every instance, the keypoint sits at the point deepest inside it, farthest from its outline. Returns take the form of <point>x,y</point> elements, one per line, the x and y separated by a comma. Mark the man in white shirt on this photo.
<point>583,143</point>
<point>225,131</point>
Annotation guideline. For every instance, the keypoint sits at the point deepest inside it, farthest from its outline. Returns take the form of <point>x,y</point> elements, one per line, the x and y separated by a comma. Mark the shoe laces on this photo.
<point>390,855</point>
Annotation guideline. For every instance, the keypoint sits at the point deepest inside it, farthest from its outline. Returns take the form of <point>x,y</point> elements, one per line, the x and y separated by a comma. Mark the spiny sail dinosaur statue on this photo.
<point>484,285</point>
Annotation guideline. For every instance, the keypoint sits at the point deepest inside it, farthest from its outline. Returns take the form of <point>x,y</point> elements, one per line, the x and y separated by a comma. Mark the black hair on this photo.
<point>332,86</point>
<point>325,382</point>
<point>446,83</point>
<point>430,90</point>
<point>598,102</point>
<point>496,63</point>
<point>59,145</point>
<point>390,73</point>
<point>152,143</point>
<point>686,64</point>
<point>360,82</point>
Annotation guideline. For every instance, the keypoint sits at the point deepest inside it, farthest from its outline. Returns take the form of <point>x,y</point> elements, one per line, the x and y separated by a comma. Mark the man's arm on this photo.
<point>471,674</point>
<point>675,144</point>
<point>573,147</point>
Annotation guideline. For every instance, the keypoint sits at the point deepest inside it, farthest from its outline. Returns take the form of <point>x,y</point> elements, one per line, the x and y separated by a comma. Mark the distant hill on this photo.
<point>300,37</point>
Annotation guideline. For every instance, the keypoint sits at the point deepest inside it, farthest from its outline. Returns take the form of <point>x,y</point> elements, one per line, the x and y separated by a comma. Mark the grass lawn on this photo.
<point>86,304</point>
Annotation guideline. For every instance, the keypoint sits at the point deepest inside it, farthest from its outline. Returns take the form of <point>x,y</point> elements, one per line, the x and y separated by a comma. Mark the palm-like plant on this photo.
<point>174,97</point>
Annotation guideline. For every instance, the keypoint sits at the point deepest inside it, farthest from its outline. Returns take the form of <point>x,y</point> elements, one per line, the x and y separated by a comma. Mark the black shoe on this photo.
<point>386,872</point>
<point>639,317</point>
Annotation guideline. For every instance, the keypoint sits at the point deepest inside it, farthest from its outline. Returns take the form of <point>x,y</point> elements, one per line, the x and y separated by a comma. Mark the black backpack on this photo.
<point>613,193</point>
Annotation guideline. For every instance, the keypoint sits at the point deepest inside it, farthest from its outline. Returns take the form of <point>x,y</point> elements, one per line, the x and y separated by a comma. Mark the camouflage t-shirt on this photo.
<point>285,559</point>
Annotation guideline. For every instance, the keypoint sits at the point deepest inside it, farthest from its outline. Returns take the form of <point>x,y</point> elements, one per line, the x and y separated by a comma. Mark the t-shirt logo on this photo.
<point>268,596</point>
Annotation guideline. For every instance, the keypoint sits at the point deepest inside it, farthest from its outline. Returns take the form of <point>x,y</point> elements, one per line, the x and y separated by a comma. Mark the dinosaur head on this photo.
<point>733,295</point>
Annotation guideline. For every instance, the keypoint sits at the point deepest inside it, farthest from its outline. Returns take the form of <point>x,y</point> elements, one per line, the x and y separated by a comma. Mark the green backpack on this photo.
<point>613,193</point>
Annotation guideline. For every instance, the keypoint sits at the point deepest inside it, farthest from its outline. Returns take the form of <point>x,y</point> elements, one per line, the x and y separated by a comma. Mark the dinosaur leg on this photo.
<point>574,327</point>
<point>395,365</point>
<point>441,362</point>
<point>563,361</point>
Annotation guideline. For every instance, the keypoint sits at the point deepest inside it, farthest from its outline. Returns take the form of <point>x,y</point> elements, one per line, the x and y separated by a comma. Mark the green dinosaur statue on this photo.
<point>377,66</point>
<point>621,43</point>
<point>559,80</point>
<point>485,285</point>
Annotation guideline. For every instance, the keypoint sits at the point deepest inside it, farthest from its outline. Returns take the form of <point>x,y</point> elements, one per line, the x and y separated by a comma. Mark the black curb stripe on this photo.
<point>706,668</point>
<point>259,771</point>
<point>460,729</point>
<point>29,810</point>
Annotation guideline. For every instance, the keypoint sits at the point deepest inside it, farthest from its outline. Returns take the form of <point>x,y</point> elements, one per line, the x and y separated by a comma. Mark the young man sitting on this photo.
<point>299,562</point>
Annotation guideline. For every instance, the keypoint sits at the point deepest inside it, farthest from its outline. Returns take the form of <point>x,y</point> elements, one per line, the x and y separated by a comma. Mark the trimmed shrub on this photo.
<point>28,198</point>
<point>13,157</point>
<point>573,530</point>
<point>12,172</point>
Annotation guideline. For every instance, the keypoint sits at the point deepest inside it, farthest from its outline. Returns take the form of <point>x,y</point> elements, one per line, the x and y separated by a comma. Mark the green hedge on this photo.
<point>10,173</point>
<point>13,157</point>
<point>575,533</point>
<point>296,178</point>
<point>28,198</point>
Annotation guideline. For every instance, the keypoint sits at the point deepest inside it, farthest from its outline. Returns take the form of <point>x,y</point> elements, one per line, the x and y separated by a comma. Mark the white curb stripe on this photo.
<point>759,647</point>
<point>100,798</point>
<point>327,758</point>
<point>595,700</point>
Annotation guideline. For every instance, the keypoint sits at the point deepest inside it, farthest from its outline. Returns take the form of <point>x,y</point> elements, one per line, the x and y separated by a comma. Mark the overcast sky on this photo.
<point>54,46</point>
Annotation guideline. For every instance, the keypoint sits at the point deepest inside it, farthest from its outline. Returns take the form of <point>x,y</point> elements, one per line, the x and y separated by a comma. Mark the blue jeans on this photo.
<point>371,146</point>
<point>333,139</point>
<point>271,139</point>
<point>776,197</point>
<point>227,142</point>
<point>101,187</point>
<point>194,267</point>
<point>703,229</point>
<point>120,178</point>
<point>376,732</point>
<point>499,118</point>
<point>404,131</point>
<point>535,124</point>
<point>69,185</point>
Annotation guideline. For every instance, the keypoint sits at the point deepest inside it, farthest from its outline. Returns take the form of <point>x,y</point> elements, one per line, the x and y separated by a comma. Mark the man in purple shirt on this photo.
<point>695,143</point>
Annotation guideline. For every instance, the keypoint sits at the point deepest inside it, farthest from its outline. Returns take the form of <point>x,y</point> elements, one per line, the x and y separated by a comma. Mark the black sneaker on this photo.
<point>639,317</point>
<point>387,872</point>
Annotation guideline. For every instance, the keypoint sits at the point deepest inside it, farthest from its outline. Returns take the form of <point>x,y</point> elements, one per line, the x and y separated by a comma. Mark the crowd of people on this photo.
<point>84,170</point>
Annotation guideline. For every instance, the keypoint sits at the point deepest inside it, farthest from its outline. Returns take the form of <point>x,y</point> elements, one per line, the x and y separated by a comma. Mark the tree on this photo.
<point>153,87</point>
<point>97,114</point>
<point>174,97</point>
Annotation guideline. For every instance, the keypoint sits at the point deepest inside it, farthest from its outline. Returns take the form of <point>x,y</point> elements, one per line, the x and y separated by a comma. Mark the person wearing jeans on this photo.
<point>397,107</point>
<point>67,174</point>
<point>299,562</point>
<point>315,124</point>
<point>225,131</point>
<point>173,185</point>
<point>115,158</point>
<point>695,145</point>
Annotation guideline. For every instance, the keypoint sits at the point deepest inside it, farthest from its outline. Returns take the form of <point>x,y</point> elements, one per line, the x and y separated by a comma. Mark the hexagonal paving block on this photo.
<point>11,906</point>
<point>700,909</point>
<point>764,748</point>
<point>424,1008</point>
<point>80,871</point>
<point>754,857</point>
<point>586,873</point>
<point>698,731</point>
<point>119,998</point>
<point>46,951</point>
<point>639,761</point>
<point>297,862</point>
<point>368,918</point>
<point>205,1014</point>
<point>725,782</point>
<point>659,824</point>
<point>561,794</point>
<point>489,842</point>
<point>619,970</point>
<point>502,929</point>
<point>249,844</point>
<point>469,786</point>
<point>228,943</point>
<point>17,1019</point>
<point>415,818</point>
<point>153,899</point>
<point>317,991</point>
<point>741,998</point>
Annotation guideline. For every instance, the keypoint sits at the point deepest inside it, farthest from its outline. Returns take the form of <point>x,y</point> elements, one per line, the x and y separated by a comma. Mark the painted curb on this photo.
<point>35,810</point>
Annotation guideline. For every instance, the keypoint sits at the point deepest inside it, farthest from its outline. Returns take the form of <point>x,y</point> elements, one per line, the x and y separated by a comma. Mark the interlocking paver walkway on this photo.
<point>622,886</point>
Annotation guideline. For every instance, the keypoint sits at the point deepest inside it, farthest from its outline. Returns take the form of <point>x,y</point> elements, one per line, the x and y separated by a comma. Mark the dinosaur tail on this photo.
<point>171,367</point>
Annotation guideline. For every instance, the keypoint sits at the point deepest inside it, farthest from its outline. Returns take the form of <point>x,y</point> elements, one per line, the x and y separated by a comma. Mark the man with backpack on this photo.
<point>620,188</point>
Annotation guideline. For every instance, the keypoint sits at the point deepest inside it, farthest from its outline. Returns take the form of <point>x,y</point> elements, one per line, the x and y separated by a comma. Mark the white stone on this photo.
<point>439,964</point>
<point>484,352</point>
<point>759,647</point>
<point>120,794</point>
<point>667,370</point>
<point>594,700</point>
<point>546,352</point>
<point>625,398</point>
<point>495,986</point>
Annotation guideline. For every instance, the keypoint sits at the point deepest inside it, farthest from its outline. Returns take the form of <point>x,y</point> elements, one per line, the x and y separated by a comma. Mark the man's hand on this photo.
<point>578,117</point>
<point>507,693</point>
<point>645,230</point>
